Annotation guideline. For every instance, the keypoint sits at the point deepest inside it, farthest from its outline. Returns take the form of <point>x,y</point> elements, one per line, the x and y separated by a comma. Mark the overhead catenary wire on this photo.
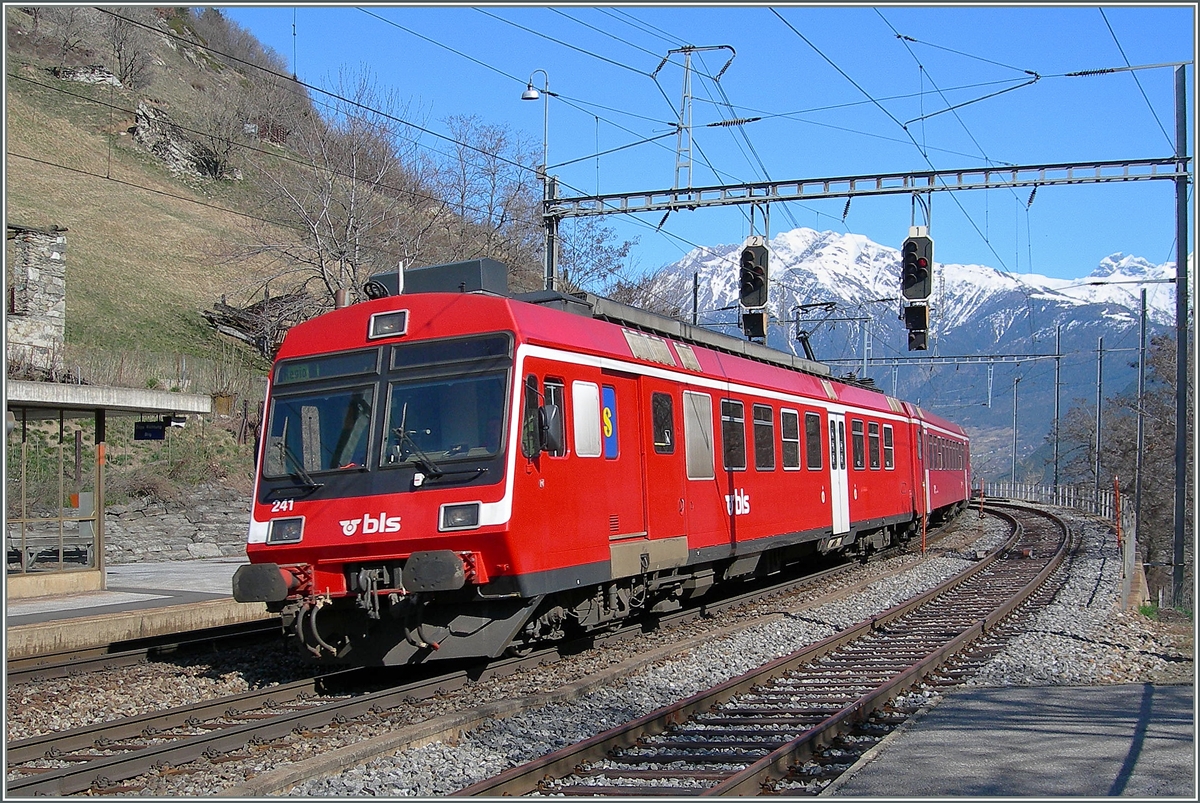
<point>1149,105</point>
<point>893,118</point>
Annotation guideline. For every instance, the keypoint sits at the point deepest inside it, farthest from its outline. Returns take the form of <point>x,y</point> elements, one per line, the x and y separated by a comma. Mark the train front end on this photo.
<point>379,521</point>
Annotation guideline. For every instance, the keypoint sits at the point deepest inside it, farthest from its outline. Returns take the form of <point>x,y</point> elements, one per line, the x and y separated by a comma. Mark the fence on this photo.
<point>1101,503</point>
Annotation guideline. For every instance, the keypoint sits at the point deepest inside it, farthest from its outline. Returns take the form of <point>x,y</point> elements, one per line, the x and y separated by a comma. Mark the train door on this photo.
<point>839,480</point>
<point>925,452</point>
<point>663,456</point>
<point>707,514</point>
<point>621,447</point>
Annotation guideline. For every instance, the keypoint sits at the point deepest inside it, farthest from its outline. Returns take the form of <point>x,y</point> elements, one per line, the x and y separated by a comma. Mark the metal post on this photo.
<point>683,134</point>
<point>1016,381</point>
<point>61,487</point>
<point>551,234</point>
<point>1141,420</point>
<point>78,460</point>
<point>1057,375</point>
<point>1099,407</point>
<point>695,298</point>
<point>1181,333</point>
<point>98,506</point>
<point>866,347</point>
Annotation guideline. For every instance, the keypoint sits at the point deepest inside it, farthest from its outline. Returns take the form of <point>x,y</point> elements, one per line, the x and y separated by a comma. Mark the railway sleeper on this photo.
<point>712,757</point>
<point>648,774</point>
<point>584,790</point>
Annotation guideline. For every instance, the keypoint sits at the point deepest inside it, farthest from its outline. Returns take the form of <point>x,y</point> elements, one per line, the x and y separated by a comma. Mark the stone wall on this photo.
<point>211,524</point>
<point>37,295</point>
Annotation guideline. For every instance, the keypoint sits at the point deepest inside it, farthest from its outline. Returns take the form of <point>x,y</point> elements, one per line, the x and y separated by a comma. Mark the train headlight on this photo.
<point>459,517</point>
<point>388,324</point>
<point>285,531</point>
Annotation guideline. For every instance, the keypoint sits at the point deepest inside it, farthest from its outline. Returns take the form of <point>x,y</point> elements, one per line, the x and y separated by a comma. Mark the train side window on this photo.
<point>733,434</point>
<point>529,418</point>
<point>812,440</point>
<point>789,435</point>
<point>556,396</point>
<point>585,410</point>
<point>856,444</point>
<point>841,445</point>
<point>833,445</point>
<point>920,444</point>
<point>662,414</point>
<point>873,444</point>
<point>889,447</point>
<point>698,435</point>
<point>764,438</point>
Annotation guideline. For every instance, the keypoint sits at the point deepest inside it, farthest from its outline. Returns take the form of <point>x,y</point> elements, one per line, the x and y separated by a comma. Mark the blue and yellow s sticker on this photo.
<point>608,421</point>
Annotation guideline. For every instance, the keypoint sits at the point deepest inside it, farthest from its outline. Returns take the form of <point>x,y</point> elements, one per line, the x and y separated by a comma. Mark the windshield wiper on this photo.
<point>421,459</point>
<point>290,456</point>
<point>424,461</point>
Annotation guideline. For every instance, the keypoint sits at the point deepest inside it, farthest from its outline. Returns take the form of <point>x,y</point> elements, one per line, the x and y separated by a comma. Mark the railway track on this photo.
<point>760,729</point>
<point>99,758</point>
<point>141,651</point>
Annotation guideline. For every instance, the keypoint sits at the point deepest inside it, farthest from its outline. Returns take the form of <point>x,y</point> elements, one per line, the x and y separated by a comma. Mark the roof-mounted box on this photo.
<point>474,276</point>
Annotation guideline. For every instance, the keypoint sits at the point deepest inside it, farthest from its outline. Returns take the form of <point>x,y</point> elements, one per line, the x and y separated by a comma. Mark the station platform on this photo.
<point>141,600</point>
<point>1132,740</point>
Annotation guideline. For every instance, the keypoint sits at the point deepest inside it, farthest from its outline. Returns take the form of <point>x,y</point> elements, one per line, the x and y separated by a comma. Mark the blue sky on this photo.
<point>838,94</point>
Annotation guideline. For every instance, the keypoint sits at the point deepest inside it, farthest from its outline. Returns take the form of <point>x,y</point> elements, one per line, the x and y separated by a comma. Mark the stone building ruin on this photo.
<point>36,283</point>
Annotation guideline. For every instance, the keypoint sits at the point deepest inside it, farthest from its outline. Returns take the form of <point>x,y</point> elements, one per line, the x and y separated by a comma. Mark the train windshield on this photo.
<point>424,404</point>
<point>442,419</point>
<point>315,432</point>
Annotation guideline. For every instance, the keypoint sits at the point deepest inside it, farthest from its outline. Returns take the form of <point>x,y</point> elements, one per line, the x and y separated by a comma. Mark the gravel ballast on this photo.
<point>1082,637</point>
<point>1102,644</point>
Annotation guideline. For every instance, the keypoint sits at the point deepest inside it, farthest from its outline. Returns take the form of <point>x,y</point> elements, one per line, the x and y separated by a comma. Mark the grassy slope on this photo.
<point>138,270</point>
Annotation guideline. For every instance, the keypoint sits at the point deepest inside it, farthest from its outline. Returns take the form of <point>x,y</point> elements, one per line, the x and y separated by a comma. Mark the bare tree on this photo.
<point>130,43</point>
<point>590,257</point>
<point>69,25</point>
<point>1118,455</point>
<point>348,206</point>
<point>645,292</point>
<point>226,36</point>
<point>491,197</point>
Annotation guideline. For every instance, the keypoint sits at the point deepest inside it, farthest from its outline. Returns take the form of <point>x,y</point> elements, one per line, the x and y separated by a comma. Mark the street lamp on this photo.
<point>547,193</point>
<point>532,94</point>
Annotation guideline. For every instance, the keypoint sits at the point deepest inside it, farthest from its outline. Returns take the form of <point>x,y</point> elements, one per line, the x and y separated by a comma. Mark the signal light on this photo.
<point>916,321</point>
<point>916,268</point>
<point>754,324</point>
<point>753,276</point>
<point>916,316</point>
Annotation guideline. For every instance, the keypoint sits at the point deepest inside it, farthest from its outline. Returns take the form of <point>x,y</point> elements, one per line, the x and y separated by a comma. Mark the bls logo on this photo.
<point>738,504</point>
<point>371,524</point>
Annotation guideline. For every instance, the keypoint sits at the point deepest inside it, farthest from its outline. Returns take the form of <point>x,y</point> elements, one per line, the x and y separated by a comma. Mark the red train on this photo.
<point>454,474</point>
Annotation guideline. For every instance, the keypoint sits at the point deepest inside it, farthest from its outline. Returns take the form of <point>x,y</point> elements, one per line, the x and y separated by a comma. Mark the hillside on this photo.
<point>141,242</point>
<point>189,170</point>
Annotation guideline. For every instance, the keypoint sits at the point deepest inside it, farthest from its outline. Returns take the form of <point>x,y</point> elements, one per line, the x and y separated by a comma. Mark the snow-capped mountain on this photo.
<point>1001,321</point>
